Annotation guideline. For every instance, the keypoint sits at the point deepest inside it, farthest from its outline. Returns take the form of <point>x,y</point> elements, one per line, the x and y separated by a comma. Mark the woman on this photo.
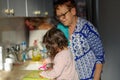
<point>85,42</point>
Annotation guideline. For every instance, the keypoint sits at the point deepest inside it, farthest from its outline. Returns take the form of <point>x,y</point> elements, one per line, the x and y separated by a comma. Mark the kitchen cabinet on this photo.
<point>11,8</point>
<point>26,8</point>
<point>39,8</point>
<point>34,7</point>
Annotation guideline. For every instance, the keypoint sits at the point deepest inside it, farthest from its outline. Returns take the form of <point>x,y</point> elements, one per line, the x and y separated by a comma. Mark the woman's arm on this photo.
<point>98,70</point>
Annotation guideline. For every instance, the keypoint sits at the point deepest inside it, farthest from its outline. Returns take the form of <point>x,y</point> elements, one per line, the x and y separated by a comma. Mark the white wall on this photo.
<point>110,29</point>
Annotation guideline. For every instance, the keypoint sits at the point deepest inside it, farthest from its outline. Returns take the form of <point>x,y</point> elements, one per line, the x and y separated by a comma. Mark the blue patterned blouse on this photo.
<point>86,46</point>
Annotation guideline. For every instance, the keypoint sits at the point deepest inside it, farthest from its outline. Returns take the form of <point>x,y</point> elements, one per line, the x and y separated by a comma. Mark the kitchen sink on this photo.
<point>31,65</point>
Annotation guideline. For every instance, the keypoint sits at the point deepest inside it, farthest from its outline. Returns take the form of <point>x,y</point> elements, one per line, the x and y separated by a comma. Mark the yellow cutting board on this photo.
<point>34,75</point>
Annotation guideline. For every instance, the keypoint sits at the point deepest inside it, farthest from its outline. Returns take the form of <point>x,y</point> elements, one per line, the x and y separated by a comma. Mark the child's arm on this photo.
<point>59,64</point>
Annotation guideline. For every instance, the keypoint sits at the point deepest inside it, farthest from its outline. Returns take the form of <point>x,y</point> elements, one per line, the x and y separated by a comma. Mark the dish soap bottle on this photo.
<point>36,56</point>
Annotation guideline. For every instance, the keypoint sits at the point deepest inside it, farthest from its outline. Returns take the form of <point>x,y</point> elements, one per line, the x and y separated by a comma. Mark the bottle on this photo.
<point>24,45</point>
<point>36,56</point>
<point>44,52</point>
<point>1,58</point>
<point>24,55</point>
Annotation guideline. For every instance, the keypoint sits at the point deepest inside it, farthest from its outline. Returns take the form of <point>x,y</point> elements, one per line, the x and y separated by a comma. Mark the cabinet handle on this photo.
<point>12,11</point>
<point>46,13</point>
<point>37,12</point>
<point>7,11</point>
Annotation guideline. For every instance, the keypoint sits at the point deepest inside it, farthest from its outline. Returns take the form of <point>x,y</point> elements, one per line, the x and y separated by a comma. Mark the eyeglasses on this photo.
<point>63,15</point>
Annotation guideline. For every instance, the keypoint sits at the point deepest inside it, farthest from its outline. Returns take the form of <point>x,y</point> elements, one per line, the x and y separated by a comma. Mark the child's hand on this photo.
<point>43,67</point>
<point>41,76</point>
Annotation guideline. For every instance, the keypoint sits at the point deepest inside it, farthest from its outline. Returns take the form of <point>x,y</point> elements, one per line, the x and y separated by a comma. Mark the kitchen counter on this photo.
<point>17,72</point>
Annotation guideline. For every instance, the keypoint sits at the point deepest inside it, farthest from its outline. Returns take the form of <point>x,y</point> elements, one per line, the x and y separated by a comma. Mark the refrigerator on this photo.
<point>88,9</point>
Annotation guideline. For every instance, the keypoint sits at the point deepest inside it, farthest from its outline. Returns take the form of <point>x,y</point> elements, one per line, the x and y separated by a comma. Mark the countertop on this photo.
<point>17,72</point>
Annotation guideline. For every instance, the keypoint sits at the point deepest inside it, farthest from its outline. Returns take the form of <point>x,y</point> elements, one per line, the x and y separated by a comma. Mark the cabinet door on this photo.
<point>10,8</point>
<point>40,8</point>
<point>31,7</point>
<point>35,7</point>
<point>49,7</point>
<point>18,6</point>
<point>26,8</point>
<point>3,7</point>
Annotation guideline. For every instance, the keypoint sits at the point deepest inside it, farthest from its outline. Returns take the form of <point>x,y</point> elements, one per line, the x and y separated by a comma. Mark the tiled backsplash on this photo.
<point>12,30</point>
